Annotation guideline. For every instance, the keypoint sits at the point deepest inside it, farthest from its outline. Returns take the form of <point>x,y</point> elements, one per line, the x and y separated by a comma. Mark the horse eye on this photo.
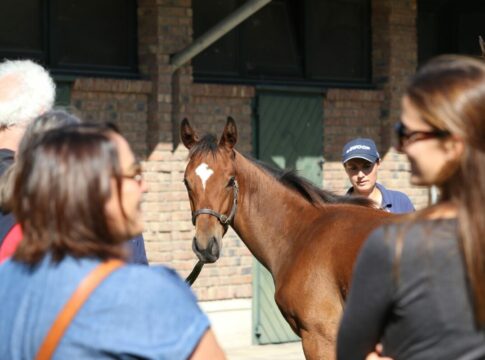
<point>231,181</point>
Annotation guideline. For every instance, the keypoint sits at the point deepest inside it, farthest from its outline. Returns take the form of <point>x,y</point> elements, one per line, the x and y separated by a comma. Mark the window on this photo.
<point>338,33</point>
<point>449,26</point>
<point>72,37</point>
<point>287,41</point>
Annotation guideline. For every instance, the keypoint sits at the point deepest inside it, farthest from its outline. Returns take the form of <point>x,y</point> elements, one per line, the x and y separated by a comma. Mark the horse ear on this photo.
<point>229,135</point>
<point>187,134</point>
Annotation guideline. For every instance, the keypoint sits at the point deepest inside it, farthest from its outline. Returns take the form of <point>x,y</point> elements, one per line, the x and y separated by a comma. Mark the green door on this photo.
<point>289,135</point>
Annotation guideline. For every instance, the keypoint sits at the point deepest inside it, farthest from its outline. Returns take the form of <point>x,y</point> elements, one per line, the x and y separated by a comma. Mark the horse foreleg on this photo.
<point>317,346</point>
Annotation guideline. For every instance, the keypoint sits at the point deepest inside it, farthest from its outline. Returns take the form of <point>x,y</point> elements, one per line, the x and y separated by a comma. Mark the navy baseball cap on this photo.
<point>362,149</point>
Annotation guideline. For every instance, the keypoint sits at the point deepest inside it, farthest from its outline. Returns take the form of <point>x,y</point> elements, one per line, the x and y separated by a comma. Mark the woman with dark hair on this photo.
<point>419,284</point>
<point>12,232</point>
<point>50,120</point>
<point>77,196</point>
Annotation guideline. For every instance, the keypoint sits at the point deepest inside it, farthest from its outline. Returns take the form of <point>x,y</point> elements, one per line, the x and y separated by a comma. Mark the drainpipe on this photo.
<point>216,32</point>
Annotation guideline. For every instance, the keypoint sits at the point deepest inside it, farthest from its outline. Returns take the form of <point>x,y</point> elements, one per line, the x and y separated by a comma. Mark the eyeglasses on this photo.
<point>406,137</point>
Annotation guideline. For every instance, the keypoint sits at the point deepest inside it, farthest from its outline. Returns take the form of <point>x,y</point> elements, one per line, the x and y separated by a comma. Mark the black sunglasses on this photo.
<point>406,137</point>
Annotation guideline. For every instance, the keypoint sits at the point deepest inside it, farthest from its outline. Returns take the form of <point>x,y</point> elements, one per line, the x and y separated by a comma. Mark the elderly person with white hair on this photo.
<point>26,91</point>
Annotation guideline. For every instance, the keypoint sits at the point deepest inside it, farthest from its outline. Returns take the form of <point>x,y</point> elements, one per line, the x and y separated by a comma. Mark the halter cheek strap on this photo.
<point>223,219</point>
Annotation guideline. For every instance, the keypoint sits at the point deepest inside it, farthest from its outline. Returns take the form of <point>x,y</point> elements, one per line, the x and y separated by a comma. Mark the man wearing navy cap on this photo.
<point>361,162</point>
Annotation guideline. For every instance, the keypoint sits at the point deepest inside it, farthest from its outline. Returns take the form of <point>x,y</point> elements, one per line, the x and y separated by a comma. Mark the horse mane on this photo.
<point>313,194</point>
<point>289,178</point>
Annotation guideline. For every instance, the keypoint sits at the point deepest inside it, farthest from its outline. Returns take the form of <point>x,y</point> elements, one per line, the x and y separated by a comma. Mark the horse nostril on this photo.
<point>214,247</point>
<point>195,246</point>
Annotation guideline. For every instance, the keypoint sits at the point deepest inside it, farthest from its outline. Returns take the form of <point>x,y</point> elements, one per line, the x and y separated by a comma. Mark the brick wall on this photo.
<point>149,112</point>
<point>347,114</point>
<point>211,104</point>
<point>122,102</point>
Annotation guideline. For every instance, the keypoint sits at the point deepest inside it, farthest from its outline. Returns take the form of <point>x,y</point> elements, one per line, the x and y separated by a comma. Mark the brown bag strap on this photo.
<point>82,293</point>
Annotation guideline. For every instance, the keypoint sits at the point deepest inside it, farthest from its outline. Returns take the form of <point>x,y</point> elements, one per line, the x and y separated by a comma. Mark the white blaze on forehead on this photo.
<point>204,172</point>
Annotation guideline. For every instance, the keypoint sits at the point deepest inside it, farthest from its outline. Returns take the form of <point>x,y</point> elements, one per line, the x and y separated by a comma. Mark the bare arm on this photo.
<point>208,348</point>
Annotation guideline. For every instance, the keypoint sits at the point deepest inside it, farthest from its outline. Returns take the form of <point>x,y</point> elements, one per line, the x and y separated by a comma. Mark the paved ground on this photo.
<point>288,351</point>
<point>231,322</point>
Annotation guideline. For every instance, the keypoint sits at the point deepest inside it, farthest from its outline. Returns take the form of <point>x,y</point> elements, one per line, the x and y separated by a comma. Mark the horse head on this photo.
<point>210,179</point>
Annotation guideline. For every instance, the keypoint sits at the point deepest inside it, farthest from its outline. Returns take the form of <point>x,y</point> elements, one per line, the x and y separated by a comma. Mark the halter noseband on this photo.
<point>223,219</point>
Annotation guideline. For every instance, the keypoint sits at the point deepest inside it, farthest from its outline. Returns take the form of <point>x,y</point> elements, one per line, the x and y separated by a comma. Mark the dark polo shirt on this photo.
<point>392,201</point>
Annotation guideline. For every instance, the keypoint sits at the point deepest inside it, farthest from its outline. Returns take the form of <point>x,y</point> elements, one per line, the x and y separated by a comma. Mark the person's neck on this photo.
<point>374,195</point>
<point>443,210</point>
<point>10,137</point>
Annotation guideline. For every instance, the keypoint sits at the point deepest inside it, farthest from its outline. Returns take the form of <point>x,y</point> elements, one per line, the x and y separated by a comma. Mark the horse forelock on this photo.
<point>206,145</point>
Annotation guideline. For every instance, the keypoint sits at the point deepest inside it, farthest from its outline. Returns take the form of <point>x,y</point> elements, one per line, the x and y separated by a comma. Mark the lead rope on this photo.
<point>195,273</point>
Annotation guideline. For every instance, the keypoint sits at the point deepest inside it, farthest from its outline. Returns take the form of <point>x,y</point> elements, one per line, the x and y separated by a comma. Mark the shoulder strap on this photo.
<point>82,293</point>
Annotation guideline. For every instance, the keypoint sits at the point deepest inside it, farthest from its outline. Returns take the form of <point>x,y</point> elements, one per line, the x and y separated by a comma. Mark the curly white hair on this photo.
<point>26,91</point>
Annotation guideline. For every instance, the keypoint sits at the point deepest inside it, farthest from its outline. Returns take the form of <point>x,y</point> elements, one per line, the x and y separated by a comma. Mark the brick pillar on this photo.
<point>394,62</point>
<point>395,56</point>
<point>165,27</point>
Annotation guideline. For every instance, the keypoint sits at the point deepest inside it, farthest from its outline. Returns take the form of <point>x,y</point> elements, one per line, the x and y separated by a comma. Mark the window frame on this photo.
<point>49,55</point>
<point>364,81</point>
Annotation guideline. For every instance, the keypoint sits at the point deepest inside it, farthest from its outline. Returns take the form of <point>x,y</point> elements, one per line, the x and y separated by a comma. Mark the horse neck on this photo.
<point>266,217</point>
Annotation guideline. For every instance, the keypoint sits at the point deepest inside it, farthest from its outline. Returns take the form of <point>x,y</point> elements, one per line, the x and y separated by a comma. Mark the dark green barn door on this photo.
<point>288,135</point>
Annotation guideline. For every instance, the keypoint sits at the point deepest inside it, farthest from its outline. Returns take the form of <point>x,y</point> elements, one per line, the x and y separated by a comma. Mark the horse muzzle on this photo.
<point>209,253</point>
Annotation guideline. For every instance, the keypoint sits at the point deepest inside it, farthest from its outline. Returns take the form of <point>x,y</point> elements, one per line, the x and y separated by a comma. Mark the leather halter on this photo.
<point>223,219</point>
